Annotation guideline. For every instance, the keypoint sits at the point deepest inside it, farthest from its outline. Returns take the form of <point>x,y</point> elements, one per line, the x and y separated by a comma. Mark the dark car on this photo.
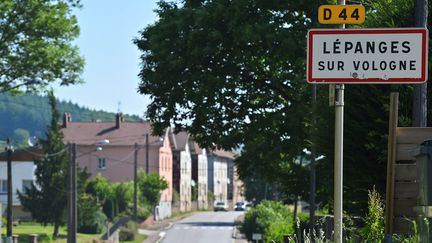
<point>240,206</point>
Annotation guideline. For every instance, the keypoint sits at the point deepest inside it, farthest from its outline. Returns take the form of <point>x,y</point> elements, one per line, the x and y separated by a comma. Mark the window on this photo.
<point>101,163</point>
<point>26,185</point>
<point>3,186</point>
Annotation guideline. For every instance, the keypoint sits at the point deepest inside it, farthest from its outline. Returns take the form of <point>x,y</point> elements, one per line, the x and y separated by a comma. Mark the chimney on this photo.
<point>67,118</point>
<point>119,120</point>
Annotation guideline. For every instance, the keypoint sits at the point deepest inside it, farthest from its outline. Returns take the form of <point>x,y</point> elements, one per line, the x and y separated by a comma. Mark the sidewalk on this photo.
<point>238,237</point>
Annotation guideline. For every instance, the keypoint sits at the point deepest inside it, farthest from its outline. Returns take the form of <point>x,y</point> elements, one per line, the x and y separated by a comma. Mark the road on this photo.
<point>205,227</point>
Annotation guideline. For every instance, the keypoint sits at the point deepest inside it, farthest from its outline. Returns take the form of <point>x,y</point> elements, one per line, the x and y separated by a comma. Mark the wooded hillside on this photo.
<point>29,115</point>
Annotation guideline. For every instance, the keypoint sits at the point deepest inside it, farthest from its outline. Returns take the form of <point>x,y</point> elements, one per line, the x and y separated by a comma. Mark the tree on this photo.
<point>232,73</point>
<point>36,44</point>
<point>124,196</point>
<point>47,200</point>
<point>101,188</point>
<point>104,192</point>
<point>150,186</point>
<point>231,69</point>
<point>21,136</point>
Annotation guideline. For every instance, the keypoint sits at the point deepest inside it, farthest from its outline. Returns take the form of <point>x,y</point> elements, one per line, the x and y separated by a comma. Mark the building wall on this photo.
<point>176,170</point>
<point>239,194</point>
<point>119,161</point>
<point>185,180</point>
<point>165,171</point>
<point>210,174</point>
<point>202,180</point>
<point>119,166</point>
<point>23,170</point>
<point>230,176</point>
<point>220,180</point>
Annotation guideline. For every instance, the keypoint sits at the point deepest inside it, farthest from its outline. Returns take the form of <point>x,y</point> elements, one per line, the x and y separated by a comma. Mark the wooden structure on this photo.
<point>402,188</point>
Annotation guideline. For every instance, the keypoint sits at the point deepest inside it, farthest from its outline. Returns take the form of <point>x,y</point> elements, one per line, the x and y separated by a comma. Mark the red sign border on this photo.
<point>424,70</point>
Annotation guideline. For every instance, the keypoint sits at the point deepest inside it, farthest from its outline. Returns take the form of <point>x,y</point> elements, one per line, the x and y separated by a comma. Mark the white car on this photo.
<point>221,206</point>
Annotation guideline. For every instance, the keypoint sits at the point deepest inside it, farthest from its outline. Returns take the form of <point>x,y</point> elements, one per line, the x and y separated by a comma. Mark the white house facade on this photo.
<point>185,179</point>
<point>23,176</point>
<point>202,180</point>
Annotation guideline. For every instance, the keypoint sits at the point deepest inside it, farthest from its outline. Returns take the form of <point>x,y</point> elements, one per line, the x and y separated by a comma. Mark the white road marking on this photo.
<point>203,227</point>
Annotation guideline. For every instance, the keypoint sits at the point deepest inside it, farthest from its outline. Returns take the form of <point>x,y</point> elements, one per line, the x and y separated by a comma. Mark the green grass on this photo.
<point>138,239</point>
<point>23,230</point>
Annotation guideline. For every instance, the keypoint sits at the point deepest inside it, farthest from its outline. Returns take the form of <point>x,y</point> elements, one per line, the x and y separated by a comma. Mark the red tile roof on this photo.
<point>90,133</point>
<point>23,154</point>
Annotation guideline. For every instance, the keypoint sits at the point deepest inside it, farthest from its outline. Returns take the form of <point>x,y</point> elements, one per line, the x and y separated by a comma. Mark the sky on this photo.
<point>112,60</point>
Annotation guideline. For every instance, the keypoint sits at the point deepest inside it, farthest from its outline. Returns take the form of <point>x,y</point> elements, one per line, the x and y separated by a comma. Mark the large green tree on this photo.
<point>47,199</point>
<point>226,70</point>
<point>233,72</point>
<point>36,44</point>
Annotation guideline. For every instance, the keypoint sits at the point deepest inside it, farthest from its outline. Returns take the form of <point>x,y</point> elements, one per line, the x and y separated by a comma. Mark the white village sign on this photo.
<point>367,55</point>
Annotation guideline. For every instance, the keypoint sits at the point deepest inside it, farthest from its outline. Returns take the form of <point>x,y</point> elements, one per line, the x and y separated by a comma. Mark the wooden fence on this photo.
<point>402,188</point>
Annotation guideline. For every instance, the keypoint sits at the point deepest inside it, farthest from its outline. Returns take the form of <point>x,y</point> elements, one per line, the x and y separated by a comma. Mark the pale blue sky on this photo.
<point>112,60</point>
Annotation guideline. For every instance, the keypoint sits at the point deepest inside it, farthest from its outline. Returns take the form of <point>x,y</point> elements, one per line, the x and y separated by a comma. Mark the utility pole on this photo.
<point>147,152</point>
<point>135,183</point>
<point>72,199</point>
<point>419,116</point>
<point>9,151</point>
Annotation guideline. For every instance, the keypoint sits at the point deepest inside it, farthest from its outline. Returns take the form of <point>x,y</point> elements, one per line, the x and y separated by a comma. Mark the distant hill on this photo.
<point>29,115</point>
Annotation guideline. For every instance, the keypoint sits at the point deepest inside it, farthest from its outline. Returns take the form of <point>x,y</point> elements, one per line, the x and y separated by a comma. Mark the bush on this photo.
<point>143,212</point>
<point>91,219</point>
<point>127,232</point>
<point>373,231</point>
<point>273,219</point>
<point>124,197</point>
<point>110,208</point>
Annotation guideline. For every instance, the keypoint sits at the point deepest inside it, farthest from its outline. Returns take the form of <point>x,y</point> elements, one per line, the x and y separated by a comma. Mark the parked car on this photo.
<point>248,205</point>
<point>240,206</point>
<point>221,206</point>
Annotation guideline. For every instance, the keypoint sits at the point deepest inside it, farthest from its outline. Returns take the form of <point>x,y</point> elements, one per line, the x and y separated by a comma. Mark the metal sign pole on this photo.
<point>338,162</point>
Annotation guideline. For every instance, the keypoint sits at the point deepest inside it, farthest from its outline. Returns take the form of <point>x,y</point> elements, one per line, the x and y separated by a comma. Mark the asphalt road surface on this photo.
<point>205,227</point>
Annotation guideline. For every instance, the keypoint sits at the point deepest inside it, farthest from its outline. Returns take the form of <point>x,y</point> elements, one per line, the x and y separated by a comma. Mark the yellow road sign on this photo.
<point>341,14</point>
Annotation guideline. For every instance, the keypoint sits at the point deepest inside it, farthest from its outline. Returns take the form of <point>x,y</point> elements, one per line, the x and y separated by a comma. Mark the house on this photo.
<point>23,176</point>
<point>182,169</point>
<point>115,160</point>
<point>200,174</point>
<point>218,179</point>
